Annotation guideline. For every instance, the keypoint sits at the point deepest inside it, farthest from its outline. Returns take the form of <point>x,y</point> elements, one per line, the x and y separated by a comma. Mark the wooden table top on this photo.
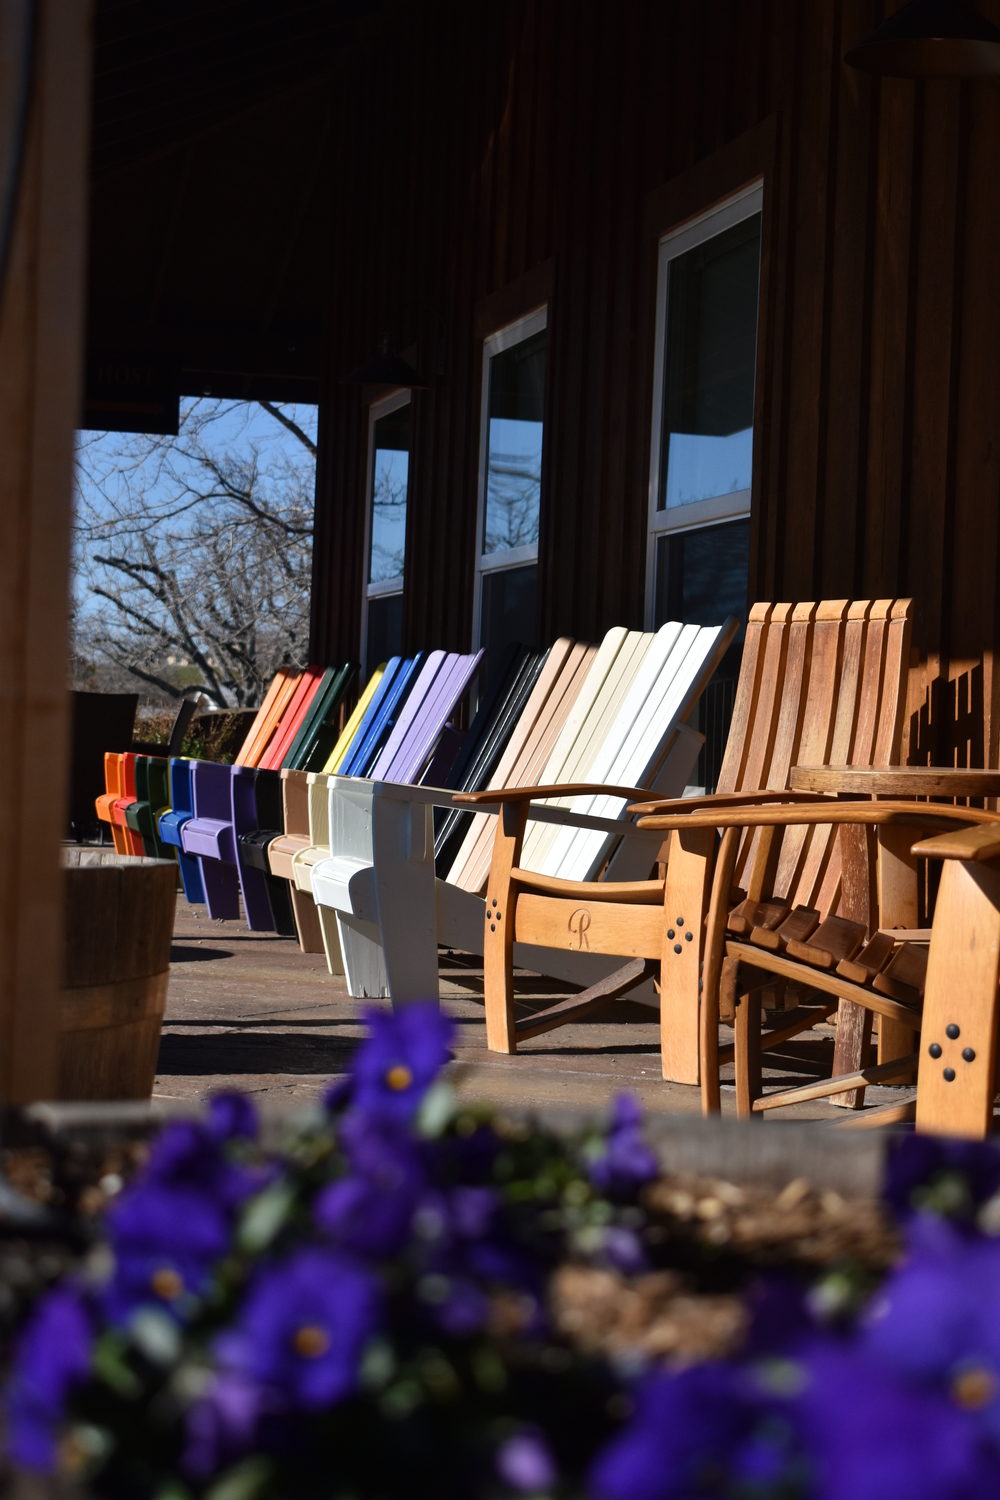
<point>897,781</point>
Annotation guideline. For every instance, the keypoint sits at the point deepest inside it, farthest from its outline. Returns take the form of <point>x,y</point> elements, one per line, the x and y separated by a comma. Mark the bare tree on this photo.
<point>193,552</point>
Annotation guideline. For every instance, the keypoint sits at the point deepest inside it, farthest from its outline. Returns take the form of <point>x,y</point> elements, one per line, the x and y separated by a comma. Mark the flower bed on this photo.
<point>410,1298</point>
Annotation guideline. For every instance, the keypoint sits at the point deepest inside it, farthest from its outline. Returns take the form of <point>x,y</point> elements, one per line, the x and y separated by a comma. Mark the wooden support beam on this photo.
<point>40,359</point>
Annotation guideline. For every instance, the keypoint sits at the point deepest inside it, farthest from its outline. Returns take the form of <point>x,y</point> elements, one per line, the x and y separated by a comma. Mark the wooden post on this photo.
<point>40,361</point>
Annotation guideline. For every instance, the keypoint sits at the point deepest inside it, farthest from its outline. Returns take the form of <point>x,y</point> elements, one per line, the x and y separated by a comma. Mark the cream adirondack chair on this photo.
<point>624,729</point>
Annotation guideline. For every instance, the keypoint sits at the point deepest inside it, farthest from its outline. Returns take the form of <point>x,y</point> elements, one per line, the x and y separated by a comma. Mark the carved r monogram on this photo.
<point>578,924</point>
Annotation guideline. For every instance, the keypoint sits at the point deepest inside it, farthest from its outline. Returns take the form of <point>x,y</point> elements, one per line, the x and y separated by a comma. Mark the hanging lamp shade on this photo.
<point>385,368</point>
<point>931,39</point>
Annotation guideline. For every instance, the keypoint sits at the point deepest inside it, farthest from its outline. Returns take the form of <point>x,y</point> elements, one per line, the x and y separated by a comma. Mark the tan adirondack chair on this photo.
<point>819,683</point>
<point>862,947</point>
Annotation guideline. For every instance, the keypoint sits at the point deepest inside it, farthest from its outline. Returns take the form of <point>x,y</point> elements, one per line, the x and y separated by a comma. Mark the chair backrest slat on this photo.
<point>820,684</point>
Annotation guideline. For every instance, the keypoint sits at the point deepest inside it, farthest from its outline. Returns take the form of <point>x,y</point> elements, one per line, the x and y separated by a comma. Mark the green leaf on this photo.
<point>243,1482</point>
<point>111,1366</point>
<point>155,1335</point>
<point>437,1109</point>
<point>172,1489</point>
<point>378,1364</point>
<point>266,1215</point>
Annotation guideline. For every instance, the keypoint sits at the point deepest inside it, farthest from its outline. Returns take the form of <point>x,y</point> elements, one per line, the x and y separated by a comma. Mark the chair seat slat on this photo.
<point>757,914</point>
<point>904,975</point>
<point>797,926</point>
<point>835,938</point>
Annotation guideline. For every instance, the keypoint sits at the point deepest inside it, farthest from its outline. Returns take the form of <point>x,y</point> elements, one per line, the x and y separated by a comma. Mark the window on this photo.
<point>388,487</point>
<point>703,394</point>
<point>510,480</point>
<point>702,448</point>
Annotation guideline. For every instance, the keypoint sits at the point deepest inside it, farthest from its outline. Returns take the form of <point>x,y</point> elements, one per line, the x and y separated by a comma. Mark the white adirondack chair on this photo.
<point>377,892</point>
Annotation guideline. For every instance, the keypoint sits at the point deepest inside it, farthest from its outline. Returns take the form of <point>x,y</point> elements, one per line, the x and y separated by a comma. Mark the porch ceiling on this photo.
<point>213,152</point>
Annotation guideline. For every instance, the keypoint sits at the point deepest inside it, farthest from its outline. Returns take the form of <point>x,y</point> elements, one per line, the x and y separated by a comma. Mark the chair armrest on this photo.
<point>510,794</point>
<point>489,802</point>
<point>724,800</point>
<point>791,814</point>
<point>976,843</point>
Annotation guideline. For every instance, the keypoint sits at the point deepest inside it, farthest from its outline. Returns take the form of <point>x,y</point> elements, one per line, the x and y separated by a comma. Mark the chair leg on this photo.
<point>307,924</point>
<point>956,1077</point>
<point>747,1054</point>
<point>329,937</point>
<point>222,889</point>
<point>498,973</point>
<point>499,929</point>
<point>362,950</point>
<point>850,1050</point>
<point>191,881</point>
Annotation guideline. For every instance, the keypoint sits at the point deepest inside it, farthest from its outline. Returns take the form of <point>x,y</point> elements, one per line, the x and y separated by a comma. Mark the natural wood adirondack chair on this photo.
<point>860,945</point>
<point>823,683</point>
<point>625,725</point>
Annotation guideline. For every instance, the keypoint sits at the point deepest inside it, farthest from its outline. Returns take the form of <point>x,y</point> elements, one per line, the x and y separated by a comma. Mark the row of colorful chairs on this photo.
<point>358,842</point>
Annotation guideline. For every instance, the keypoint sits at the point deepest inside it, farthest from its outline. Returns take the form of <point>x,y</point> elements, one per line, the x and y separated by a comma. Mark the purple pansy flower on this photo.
<point>936,1318</point>
<point>626,1162</point>
<point>954,1176</point>
<point>303,1327</point>
<point>525,1462</point>
<point>232,1116</point>
<point>190,1154</point>
<point>53,1355</point>
<point>398,1060</point>
<point>702,1431</point>
<point>867,1430</point>
<point>370,1210</point>
<point>224,1424</point>
<point>167,1239</point>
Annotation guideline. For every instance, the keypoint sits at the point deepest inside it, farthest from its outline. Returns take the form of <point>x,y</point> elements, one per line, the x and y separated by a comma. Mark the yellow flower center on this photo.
<point>310,1342</point>
<point>399,1077</point>
<point>71,1455</point>
<point>167,1284</point>
<point>974,1388</point>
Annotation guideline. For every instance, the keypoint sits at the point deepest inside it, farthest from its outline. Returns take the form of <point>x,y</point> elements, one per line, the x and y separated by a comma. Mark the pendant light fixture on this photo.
<point>931,39</point>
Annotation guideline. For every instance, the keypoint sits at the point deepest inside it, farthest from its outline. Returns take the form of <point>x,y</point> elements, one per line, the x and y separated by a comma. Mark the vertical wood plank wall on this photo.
<point>40,342</point>
<point>481,142</point>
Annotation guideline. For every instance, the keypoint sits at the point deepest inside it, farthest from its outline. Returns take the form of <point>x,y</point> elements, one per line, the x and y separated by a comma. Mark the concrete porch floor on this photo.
<point>249,1010</point>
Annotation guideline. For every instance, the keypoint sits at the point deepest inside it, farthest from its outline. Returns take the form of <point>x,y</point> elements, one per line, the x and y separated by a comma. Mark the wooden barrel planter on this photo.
<point>119,925</point>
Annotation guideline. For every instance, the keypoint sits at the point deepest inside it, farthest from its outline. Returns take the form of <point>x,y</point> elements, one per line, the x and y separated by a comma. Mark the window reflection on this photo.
<point>390,481</point>
<point>711,351</point>
<point>514,452</point>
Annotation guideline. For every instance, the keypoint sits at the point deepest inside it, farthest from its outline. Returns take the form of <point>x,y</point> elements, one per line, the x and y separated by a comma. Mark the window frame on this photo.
<point>515,332</point>
<point>384,407</point>
<point>717,509</point>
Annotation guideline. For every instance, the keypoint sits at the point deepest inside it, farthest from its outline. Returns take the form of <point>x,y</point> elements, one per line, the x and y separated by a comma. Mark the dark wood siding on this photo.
<point>481,143</point>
